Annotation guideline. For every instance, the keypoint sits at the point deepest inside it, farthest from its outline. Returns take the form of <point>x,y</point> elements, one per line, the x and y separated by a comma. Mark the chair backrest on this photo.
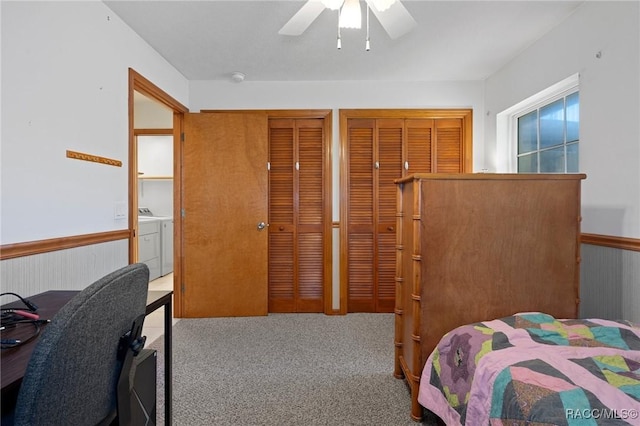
<point>73,372</point>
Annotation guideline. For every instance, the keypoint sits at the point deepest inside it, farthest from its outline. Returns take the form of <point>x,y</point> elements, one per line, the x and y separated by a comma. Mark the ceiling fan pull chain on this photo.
<point>339,39</point>
<point>367,44</point>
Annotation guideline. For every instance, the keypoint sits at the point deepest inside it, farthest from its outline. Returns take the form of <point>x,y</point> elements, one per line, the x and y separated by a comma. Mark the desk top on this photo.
<point>14,361</point>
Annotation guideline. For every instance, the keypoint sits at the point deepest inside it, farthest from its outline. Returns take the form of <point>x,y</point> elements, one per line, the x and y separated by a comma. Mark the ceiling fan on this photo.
<point>393,16</point>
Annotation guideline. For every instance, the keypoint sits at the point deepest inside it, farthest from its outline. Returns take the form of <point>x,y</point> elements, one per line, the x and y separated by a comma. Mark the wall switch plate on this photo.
<point>120,210</point>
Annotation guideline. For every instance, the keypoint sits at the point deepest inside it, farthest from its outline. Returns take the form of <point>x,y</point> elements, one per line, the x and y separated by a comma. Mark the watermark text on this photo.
<point>602,413</point>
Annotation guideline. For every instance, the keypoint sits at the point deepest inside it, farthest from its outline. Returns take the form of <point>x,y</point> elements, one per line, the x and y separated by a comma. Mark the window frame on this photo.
<point>507,121</point>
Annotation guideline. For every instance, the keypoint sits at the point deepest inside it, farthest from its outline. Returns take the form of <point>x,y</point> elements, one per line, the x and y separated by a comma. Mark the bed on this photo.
<point>531,368</point>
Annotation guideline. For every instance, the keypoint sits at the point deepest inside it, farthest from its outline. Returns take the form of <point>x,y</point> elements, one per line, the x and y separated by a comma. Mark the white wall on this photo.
<point>609,106</point>
<point>151,114</point>
<point>65,86</point>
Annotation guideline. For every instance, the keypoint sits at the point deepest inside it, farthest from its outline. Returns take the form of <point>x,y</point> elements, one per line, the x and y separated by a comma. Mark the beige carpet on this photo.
<point>285,369</point>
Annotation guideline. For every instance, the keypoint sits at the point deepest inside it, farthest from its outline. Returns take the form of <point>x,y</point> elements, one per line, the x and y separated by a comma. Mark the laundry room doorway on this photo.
<point>155,198</point>
<point>155,123</point>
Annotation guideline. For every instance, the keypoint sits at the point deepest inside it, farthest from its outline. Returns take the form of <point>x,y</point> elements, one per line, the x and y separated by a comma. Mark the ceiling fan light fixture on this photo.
<point>382,5</point>
<point>332,4</point>
<point>351,14</point>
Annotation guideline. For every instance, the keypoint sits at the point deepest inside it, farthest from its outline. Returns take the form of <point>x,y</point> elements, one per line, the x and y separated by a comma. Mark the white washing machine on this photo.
<point>165,239</point>
<point>149,244</point>
<point>166,245</point>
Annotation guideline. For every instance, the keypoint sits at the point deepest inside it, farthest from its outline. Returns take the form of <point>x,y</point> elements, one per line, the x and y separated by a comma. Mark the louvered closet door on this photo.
<point>281,223</point>
<point>379,150</point>
<point>296,200</point>
<point>360,216</point>
<point>419,144</point>
<point>389,148</point>
<point>375,161</point>
<point>449,146</point>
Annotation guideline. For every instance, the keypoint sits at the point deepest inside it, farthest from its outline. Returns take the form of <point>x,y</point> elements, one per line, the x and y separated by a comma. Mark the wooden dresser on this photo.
<point>475,247</point>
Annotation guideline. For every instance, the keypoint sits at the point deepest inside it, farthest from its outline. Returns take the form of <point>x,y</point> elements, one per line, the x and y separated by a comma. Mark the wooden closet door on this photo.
<point>448,146</point>
<point>296,204</point>
<point>281,212</point>
<point>419,151</point>
<point>380,146</point>
<point>380,151</point>
<point>389,142</point>
<point>375,161</point>
<point>360,215</point>
<point>309,218</point>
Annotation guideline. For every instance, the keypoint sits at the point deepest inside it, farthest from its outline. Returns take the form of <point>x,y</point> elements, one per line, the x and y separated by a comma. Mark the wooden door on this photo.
<point>374,162</point>
<point>296,215</point>
<point>388,167</point>
<point>360,216</point>
<point>224,199</point>
<point>419,145</point>
<point>379,151</point>
<point>448,152</point>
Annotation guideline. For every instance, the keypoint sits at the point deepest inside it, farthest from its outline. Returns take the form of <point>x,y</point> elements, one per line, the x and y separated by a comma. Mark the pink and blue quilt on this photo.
<point>534,369</point>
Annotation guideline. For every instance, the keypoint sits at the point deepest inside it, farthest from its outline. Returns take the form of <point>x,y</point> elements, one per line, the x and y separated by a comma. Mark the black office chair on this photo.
<point>79,372</point>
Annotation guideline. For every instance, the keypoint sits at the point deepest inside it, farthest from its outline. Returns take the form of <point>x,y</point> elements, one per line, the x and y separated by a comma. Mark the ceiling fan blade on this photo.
<point>303,18</point>
<point>396,20</point>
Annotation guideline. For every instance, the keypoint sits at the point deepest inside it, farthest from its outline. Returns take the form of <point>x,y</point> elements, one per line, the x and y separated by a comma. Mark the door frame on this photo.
<point>138,83</point>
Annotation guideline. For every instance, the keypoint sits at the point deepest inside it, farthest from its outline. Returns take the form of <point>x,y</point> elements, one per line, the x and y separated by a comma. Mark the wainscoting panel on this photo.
<point>70,269</point>
<point>609,283</point>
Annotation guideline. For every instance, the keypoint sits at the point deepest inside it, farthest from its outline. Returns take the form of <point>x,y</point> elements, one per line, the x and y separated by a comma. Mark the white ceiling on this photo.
<point>454,40</point>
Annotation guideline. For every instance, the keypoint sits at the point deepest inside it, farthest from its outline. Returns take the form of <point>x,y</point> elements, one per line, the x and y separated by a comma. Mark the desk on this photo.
<point>14,361</point>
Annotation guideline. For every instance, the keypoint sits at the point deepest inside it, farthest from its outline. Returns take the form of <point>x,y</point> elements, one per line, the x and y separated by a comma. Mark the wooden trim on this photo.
<point>138,83</point>
<point>344,172</point>
<point>328,214</point>
<point>492,176</point>
<point>138,132</point>
<point>156,178</point>
<point>147,88</point>
<point>467,137</point>
<point>407,113</point>
<point>11,251</point>
<point>178,251</point>
<point>621,243</point>
<point>278,113</point>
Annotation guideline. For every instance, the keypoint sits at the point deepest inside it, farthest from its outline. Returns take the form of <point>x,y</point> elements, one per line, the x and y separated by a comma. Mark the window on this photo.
<point>548,136</point>
<point>541,133</point>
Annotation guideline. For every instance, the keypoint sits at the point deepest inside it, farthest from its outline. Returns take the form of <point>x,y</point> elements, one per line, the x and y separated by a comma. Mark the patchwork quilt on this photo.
<point>534,369</point>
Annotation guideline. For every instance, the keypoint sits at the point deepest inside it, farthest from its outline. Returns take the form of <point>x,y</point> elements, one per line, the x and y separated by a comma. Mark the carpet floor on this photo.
<point>285,369</point>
